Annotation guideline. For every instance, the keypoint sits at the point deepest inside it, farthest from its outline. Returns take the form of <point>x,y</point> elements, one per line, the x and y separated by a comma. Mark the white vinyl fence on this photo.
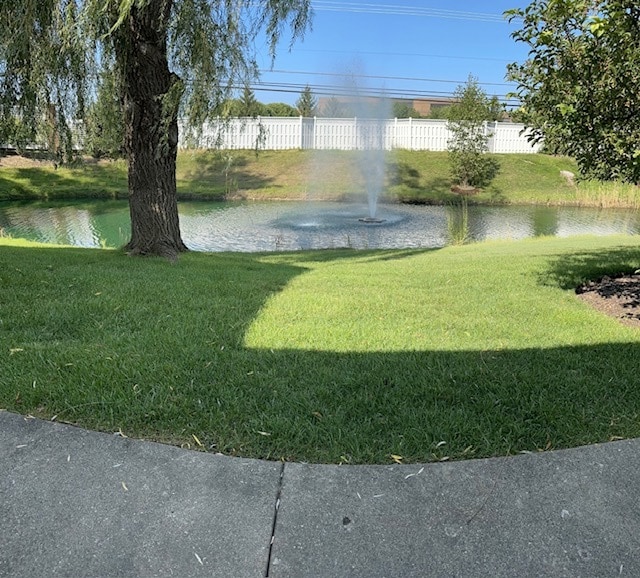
<point>279,133</point>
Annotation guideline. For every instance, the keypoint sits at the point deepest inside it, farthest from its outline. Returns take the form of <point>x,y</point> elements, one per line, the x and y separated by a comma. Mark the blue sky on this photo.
<point>404,48</point>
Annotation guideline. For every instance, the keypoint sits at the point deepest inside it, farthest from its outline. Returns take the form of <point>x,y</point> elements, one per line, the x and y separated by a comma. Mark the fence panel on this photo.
<point>335,133</point>
<point>424,134</point>
<point>511,138</point>
<point>280,133</point>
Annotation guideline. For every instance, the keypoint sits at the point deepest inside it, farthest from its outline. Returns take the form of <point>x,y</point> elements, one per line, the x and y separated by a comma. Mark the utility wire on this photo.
<point>403,10</point>
<point>348,75</point>
<point>373,92</point>
<point>422,55</point>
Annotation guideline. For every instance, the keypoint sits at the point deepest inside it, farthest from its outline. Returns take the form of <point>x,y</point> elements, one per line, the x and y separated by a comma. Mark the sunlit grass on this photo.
<point>411,176</point>
<point>328,356</point>
<point>492,297</point>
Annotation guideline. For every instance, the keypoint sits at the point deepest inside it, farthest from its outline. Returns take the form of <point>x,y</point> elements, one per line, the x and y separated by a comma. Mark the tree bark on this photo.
<point>151,98</point>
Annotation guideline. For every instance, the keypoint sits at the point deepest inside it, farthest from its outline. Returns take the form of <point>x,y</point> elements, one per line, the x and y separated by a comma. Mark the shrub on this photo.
<point>468,145</point>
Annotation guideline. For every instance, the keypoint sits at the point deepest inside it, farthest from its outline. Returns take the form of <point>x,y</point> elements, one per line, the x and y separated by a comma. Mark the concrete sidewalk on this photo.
<point>79,503</point>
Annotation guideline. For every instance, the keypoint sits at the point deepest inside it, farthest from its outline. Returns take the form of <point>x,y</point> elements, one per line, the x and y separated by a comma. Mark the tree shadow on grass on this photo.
<point>215,175</point>
<point>33,183</point>
<point>571,270</point>
<point>11,190</point>
<point>95,182</point>
<point>410,185</point>
<point>430,405</point>
<point>158,350</point>
<point>361,255</point>
<point>405,175</point>
<point>495,195</point>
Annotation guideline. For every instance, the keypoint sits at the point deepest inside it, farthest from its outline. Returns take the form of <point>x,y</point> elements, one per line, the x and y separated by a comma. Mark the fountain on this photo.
<point>371,133</point>
<point>371,118</point>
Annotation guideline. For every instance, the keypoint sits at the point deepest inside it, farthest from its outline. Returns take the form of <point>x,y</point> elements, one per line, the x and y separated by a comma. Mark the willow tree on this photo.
<point>171,56</point>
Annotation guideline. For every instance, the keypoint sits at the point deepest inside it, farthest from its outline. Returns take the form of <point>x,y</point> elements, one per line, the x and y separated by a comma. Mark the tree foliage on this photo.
<point>279,109</point>
<point>402,109</point>
<point>104,121</point>
<point>307,104</point>
<point>169,55</point>
<point>249,105</point>
<point>334,108</point>
<point>467,118</point>
<point>580,85</point>
<point>439,111</point>
<point>43,71</point>
<point>495,110</point>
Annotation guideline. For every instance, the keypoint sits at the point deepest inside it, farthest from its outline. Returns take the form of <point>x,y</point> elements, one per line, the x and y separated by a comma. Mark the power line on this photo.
<point>420,54</point>
<point>368,92</point>
<point>324,89</point>
<point>402,10</point>
<point>378,77</point>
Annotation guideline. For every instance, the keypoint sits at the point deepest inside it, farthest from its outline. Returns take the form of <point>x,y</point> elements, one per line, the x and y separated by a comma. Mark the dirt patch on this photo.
<point>40,160</point>
<point>24,162</point>
<point>617,296</point>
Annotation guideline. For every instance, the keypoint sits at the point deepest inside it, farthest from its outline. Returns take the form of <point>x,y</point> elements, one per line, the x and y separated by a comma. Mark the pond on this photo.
<point>271,226</point>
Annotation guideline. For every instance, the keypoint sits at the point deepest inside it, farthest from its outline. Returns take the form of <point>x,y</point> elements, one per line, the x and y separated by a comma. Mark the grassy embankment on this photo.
<point>412,176</point>
<point>329,356</point>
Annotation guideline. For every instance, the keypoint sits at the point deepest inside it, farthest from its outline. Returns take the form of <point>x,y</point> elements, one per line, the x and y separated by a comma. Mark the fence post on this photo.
<point>411,134</point>
<point>301,126</point>
<point>354,143</point>
<point>485,132</point>
<point>394,141</point>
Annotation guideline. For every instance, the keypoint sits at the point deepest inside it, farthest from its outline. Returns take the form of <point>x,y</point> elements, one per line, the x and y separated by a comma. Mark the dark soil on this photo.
<point>617,296</point>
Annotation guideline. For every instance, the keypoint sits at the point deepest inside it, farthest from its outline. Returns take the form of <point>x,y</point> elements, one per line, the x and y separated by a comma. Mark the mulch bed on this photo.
<point>617,296</point>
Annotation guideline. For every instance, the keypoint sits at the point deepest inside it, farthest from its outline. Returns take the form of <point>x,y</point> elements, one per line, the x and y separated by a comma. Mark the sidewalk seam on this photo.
<point>275,520</point>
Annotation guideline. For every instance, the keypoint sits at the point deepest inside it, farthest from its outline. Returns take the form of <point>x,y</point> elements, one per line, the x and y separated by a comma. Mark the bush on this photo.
<point>473,169</point>
<point>468,145</point>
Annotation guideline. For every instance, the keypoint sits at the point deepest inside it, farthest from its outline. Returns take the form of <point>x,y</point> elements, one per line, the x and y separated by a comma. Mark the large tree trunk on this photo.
<point>151,97</point>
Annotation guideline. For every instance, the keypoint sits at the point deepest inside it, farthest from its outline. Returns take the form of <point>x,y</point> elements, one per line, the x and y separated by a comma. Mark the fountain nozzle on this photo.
<point>371,220</point>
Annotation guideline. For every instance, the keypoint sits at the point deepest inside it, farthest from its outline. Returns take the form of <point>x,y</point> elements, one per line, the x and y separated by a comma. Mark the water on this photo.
<point>273,226</point>
<point>370,128</point>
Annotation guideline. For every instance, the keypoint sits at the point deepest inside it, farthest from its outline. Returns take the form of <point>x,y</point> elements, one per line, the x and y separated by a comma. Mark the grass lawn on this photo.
<point>326,356</point>
<point>104,180</point>
<point>412,176</point>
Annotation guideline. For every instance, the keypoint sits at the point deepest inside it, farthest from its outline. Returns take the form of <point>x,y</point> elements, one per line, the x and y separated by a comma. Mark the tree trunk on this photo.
<point>151,98</point>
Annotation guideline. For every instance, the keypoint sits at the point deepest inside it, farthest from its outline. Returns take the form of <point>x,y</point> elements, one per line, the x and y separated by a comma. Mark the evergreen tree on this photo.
<point>248,104</point>
<point>307,103</point>
<point>333,108</point>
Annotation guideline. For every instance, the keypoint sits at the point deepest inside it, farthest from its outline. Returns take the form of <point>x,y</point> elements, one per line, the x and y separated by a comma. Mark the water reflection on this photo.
<point>295,225</point>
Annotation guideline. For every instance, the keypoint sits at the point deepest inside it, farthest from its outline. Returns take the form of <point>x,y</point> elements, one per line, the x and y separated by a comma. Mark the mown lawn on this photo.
<point>326,356</point>
<point>411,176</point>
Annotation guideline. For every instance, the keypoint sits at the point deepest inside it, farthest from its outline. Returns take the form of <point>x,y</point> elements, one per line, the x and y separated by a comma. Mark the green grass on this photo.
<point>105,180</point>
<point>327,356</point>
<point>412,176</point>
